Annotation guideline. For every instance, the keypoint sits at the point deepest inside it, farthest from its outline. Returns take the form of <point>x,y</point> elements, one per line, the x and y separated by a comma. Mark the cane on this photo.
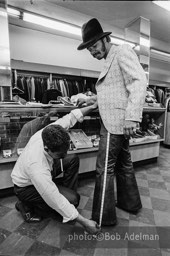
<point>104,179</point>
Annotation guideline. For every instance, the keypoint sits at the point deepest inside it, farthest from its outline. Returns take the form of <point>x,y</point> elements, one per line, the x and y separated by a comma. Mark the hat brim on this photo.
<point>89,43</point>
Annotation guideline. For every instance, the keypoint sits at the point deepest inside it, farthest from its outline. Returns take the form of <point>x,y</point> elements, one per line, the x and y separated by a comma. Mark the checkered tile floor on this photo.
<point>147,233</point>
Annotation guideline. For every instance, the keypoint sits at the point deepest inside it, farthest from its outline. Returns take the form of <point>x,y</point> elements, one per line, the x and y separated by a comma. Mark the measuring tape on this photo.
<point>104,179</point>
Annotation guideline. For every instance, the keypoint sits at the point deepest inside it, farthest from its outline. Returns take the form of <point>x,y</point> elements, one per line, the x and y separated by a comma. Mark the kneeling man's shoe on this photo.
<point>28,216</point>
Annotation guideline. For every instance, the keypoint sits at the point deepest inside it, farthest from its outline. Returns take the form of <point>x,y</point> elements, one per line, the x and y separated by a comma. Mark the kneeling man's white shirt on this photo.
<point>34,167</point>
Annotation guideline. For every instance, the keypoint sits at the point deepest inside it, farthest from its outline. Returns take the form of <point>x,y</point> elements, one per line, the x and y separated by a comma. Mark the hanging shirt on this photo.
<point>34,167</point>
<point>32,88</point>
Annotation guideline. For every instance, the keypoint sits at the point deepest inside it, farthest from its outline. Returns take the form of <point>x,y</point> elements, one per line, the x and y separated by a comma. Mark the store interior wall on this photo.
<point>39,47</point>
<point>36,46</point>
<point>160,71</point>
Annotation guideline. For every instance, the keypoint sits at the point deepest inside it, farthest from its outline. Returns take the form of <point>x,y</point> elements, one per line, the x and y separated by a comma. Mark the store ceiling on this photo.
<point>114,13</point>
<point>120,13</point>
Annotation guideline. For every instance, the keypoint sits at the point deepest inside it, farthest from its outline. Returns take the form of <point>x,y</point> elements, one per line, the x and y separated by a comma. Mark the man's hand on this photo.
<point>95,105</point>
<point>88,109</point>
<point>81,102</point>
<point>90,225</point>
<point>130,128</point>
<point>87,102</point>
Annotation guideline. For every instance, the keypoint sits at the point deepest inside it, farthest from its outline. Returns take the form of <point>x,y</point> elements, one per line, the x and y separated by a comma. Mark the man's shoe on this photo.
<point>28,216</point>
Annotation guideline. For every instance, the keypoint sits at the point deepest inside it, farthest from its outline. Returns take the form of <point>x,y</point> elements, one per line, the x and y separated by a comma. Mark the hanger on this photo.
<point>16,90</point>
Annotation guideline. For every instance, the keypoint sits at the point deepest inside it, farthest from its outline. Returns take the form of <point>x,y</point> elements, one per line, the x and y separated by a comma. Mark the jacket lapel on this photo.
<point>108,62</point>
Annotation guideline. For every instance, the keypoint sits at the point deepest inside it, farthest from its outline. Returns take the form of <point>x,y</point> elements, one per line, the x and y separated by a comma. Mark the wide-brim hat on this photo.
<point>91,33</point>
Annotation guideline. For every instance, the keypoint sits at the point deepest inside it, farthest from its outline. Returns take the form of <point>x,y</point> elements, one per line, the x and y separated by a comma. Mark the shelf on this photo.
<point>63,109</point>
<point>85,150</point>
<point>82,151</point>
<point>145,142</point>
<point>8,160</point>
<point>13,106</point>
<point>69,108</point>
<point>51,69</point>
<point>153,109</point>
<point>77,151</point>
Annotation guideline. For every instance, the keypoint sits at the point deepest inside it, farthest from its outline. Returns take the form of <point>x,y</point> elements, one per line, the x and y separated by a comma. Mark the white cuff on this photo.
<point>74,216</point>
<point>78,115</point>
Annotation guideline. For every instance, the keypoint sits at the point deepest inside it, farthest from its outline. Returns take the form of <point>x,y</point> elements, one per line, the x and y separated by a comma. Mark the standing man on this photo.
<point>121,89</point>
<point>34,186</point>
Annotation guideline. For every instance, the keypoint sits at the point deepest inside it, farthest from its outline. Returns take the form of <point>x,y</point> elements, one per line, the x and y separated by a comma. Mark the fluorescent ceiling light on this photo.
<point>118,41</point>
<point>59,25</point>
<point>160,53</point>
<point>5,68</point>
<point>163,4</point>
<point>48,23</point>
<point>13,12</point>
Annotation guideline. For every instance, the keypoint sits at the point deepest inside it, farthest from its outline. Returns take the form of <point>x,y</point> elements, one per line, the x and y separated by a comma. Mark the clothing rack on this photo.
<point>52,76</point>
<point>31,85</point>
<point>34,84</point>
<point>159,93</point>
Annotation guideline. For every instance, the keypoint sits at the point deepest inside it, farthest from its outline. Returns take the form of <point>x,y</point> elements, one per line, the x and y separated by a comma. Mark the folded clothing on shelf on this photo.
<point>140,136</point>
<point>65,100</point>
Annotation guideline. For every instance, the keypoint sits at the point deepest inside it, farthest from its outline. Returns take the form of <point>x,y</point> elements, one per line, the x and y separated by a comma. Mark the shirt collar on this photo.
<point>49,159</point>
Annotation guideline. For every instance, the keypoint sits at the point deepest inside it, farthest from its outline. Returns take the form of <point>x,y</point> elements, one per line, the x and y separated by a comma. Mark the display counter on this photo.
<point>14,117</point>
